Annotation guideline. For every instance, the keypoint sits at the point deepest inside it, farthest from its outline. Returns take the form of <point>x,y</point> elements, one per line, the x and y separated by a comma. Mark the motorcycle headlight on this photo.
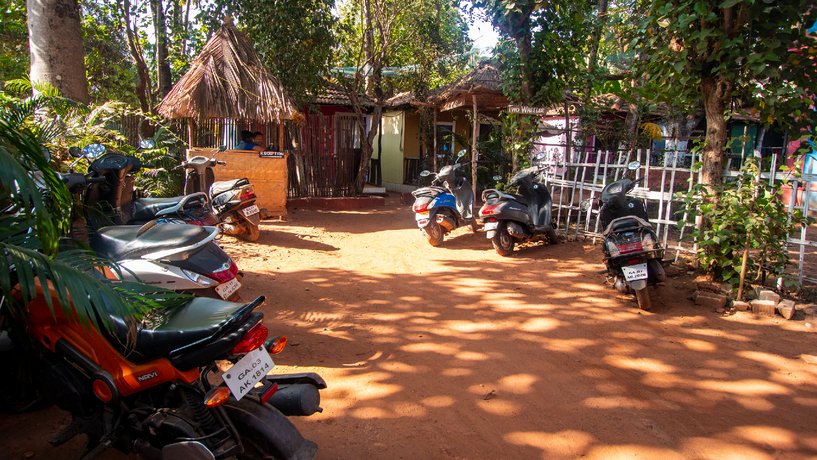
<point>647,242</point>
<point>612,248</point>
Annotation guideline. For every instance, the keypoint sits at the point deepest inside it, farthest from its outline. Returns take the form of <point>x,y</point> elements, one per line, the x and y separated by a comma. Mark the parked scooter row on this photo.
<point>633,254</point>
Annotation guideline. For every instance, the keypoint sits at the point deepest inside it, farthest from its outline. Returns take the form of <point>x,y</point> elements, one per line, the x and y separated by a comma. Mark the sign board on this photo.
<point>527,110</point>
<point>271,154</point>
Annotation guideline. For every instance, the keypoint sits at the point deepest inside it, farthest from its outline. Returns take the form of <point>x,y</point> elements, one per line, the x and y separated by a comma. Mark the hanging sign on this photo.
<point>527,110</point>
<point>271,154</point>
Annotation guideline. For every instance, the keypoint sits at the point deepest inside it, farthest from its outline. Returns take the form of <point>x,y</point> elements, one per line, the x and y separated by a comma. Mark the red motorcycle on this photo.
<point>154,388</point>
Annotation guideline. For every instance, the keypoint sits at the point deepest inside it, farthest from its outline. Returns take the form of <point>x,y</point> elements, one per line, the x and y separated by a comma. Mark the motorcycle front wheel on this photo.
<point>434,234</point>
<point>503,241</point>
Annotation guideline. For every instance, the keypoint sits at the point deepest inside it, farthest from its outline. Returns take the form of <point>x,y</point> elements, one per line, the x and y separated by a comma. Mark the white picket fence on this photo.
<point>664,174</point>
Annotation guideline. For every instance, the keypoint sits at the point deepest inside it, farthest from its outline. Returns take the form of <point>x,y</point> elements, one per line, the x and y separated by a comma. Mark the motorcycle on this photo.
<point>526,216</point>
<point>155,389</point>
<point>172,255</point>
<point>115,195</point>
<point>233,201</point>
<point>445,205</point>
<point>632,253</point>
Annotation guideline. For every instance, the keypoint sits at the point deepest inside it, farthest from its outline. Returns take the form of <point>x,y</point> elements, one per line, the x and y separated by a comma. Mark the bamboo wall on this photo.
<point>269,176</point>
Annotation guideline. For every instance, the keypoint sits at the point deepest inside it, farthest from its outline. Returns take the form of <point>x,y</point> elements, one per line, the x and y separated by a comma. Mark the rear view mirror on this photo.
<point>634,165</point>
<point>461,153</point>
<point>585,205</point>
<point>94,150</point>
<point>539,156</point>
<point>425,173</point>
<point>497,178</point>
<point>75,152</point>
<point>147,143</point>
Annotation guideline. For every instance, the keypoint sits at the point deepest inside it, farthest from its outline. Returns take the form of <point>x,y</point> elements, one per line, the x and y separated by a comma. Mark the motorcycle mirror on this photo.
<point>147,143</point>
<point>425,173</point>
<point>497,178</point>
<point>75,152</point>
<point>539,156</point>
<point>634,165</point>
<point>46,154</point>
<point>94,150</point>
<point>461,153</point>
<point>221,148</point>
<point>585,205</point>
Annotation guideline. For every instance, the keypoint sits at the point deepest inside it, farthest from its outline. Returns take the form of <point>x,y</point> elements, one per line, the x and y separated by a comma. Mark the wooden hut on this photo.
<point>226,90</point>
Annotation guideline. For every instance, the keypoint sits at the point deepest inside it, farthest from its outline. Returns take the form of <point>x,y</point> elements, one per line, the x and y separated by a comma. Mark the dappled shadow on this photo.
<point>466,361</point>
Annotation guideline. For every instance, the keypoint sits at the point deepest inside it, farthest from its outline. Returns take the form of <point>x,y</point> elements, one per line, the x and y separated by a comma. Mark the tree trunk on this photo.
<point>143,83</point>
<point>714,105</point>
<point>163,74</point>
<point>55,43</point>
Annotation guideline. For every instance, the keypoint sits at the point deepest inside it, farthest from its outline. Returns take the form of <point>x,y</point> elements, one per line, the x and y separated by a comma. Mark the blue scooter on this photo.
<point>445,205</point>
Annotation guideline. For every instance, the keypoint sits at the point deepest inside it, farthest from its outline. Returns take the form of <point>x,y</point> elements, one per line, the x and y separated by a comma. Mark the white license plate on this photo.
<point>249,370</point>
<point>227,289</point>
<point>421,216</point>
<point>250,210</point>
<point>490,226</point>
<point>635,272</point>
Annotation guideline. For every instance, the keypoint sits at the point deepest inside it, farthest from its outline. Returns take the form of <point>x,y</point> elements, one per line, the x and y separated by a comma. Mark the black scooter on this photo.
<point>447,204</point>
<point>631,248</point>
<point>233,200</point>
<point>510,218</point>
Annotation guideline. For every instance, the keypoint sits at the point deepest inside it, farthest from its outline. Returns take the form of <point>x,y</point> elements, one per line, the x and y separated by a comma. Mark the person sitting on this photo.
<point>251,141</point>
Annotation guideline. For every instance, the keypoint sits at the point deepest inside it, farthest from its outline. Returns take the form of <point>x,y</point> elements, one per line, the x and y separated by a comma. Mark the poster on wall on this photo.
<point>552,141</point>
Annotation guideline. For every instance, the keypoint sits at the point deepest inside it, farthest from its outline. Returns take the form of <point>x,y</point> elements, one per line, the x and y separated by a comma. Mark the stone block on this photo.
<point>786,308</point>
<point>763,307</point>
<point>710,299</point>
<point>741,306</point>
<point>766,294</point>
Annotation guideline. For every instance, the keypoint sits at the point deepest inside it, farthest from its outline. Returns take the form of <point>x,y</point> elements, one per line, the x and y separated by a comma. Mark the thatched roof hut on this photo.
<point>483,84</point>
<point>228,80</point>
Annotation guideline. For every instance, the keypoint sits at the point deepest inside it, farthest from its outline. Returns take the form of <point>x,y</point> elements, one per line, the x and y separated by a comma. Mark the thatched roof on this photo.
<point>483,79</point>
<point>228,80</point>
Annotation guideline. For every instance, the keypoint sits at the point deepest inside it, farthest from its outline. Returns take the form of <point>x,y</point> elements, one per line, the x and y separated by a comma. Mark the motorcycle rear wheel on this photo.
<point>434,234</point>
<point>503,241</point>
<point>643,298</point>
<point>251,232</point>
<point>266,433</point>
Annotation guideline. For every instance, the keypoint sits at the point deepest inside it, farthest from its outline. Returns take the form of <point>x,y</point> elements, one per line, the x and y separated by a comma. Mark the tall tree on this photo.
<point>55,44</point>
<point>729,54</point>
<point>164,77</point>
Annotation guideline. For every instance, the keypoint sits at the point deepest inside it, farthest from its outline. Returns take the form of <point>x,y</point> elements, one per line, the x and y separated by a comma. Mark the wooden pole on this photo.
<point>191,133</point>
<point>434,142</point>
<point>281,146</point>
<point>474,153</point>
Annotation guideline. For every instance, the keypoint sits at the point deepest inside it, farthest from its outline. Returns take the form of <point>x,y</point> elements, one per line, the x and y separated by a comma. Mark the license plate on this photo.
<point>227,289</point>
<point>490,226</point>
<point>249,370</point>
<point>250,210</point>
<point>635,272</point>
<point>421,216</point>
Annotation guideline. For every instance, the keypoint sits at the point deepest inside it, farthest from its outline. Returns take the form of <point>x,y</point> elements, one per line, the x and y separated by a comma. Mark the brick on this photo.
<point>763,307</point>
<point>786,308</point>
<point>710,300</point>
<point>766,294</point>
<point>741,306</point>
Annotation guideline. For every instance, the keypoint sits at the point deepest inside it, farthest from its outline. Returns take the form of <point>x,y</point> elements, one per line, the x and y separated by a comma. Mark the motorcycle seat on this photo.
<point>626,223</point>
<point>191,335</point>
<point>124,241</point>
<point>145,209</point>
<point>225,185</point>
<point>432,190</point>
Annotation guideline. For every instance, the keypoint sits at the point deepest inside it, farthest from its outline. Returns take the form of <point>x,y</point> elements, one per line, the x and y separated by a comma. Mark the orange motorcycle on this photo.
<point>154,388</point>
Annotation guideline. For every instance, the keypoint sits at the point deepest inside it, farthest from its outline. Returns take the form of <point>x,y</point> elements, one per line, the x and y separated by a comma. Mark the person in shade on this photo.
<point>251,141</point>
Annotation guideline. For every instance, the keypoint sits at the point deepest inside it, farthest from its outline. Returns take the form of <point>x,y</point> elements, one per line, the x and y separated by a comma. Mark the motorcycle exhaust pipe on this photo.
<point>298,399</point>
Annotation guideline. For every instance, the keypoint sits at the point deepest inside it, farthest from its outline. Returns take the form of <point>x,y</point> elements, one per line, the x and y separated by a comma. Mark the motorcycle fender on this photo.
<point>251,418</point>
<point>638,285</point>
<point>192,450</point>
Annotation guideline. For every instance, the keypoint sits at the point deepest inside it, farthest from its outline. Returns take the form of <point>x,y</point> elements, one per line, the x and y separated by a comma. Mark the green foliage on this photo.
<point>747,210</point>
<point>111,74</point>
<point>754,51</point>
<point>544,47</point>
<point>429,42</point>
<point>13,40</point>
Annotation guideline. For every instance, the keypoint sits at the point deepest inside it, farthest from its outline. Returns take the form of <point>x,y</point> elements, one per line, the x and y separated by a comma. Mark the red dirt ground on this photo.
<point>456,352</point>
